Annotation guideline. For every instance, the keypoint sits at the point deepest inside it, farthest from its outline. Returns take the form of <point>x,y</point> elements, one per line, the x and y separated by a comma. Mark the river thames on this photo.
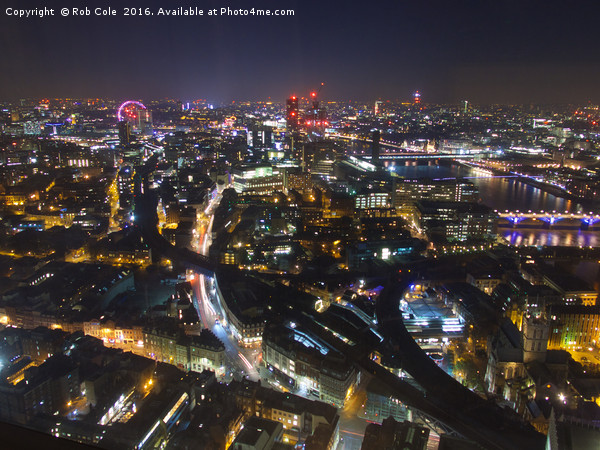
<point>502,193</point>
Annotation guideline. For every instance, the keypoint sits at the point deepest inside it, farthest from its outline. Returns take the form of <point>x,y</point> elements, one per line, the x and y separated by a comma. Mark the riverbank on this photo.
<point>545,187</point>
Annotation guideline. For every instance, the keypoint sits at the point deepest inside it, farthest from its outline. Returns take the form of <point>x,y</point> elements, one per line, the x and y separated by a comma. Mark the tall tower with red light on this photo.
<point>292,113</point>
<point>313,98</point>
<point>316,116</point>
<point>417,98</point>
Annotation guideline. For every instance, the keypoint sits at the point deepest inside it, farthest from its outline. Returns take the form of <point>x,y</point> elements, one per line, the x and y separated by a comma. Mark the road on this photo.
<point>246,362</point>
<point>240,361</point>
<point>352,428</point>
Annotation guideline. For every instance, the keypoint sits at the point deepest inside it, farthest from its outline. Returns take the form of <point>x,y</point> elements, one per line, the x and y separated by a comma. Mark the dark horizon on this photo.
<point>484,52</point>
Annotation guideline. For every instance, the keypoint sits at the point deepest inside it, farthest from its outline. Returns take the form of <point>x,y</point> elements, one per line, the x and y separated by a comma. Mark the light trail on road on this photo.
<point>352,432</point>
<point>245,361</point>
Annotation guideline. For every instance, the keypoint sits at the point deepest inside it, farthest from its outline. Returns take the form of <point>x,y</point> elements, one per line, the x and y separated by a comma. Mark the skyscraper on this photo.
<point>124,132</point>
<point>375,148</point>
<point>292,112</point>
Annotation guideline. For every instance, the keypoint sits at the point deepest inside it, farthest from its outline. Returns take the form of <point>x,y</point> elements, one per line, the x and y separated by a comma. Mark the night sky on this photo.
<point>524,51</point>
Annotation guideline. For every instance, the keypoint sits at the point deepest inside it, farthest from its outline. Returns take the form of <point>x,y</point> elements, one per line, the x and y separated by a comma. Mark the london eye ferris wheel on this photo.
<point>131,111</point>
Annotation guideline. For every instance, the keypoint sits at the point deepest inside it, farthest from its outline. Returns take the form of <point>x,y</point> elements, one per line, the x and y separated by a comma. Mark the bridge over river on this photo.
<point>549,219</point>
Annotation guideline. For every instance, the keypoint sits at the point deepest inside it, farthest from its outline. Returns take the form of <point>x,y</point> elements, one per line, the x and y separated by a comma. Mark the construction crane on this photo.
<point>315,95</point>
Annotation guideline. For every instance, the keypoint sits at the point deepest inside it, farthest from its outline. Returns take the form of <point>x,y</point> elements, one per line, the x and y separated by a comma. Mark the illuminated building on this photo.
<point>406,191</point>
<point>124,247</point>
<point>484,281</point>
<point>46,389</point>
<point>41,343</point>
<point>456,146</point>
<point>301,359</point>
<point>316,117</point>
<point>457,221</point>
<point>125,187</point>
<point>301,182</point>
<point>574,326</point>
<point>300,417</point>
<point>385,249</point>
<point>258,433</point>
<point>151,425</point>
<point>243,173</point>
<point>32,128</point>
<point>14,199</point>
<point>535,339</point>
<point>18,224</point>
<point>187,352</point>
<point>261,185</point>
<point>243,303</point>
<point>573,290</point>
<point>260,137</point>
<point>372,200</point>
<point>336,205</point>
<point>381,404</point>
<point>520,366</point>
<point>113,334</point>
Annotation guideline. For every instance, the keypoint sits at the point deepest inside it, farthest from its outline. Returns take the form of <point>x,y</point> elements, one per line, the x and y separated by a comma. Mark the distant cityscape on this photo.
<point>299,274</point>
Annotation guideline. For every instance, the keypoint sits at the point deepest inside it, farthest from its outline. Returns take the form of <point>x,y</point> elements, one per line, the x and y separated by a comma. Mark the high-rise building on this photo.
<point>316,117</point>
<point>292,113</point>
<point>124,132</point>
<point>375,148</point>
<point>143,121</point>
<point>260,137</point>
<point>378,107</point>
<point>125,184</point>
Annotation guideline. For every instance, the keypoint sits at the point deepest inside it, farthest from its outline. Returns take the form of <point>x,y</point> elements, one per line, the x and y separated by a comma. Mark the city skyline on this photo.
<point>505,52</point>
<point>283,224</point>
<point>177,273</point>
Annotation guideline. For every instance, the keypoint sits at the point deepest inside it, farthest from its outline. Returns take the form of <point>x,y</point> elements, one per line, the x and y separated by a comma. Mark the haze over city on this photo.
<point>488,52</point>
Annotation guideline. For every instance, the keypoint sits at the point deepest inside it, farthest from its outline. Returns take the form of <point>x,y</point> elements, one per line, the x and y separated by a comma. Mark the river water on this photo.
<point>499,193</point>
<point>510,194</point>
<point>502,194</point>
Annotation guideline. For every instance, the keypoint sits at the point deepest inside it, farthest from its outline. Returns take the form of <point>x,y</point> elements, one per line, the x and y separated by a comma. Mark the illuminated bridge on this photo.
<point>548,219</point>
<point>415,155</point>
<point>399,152</point>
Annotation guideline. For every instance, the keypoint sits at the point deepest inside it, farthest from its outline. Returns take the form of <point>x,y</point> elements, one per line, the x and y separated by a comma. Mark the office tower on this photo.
<point>292,112</point>
<point>124,132</point>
